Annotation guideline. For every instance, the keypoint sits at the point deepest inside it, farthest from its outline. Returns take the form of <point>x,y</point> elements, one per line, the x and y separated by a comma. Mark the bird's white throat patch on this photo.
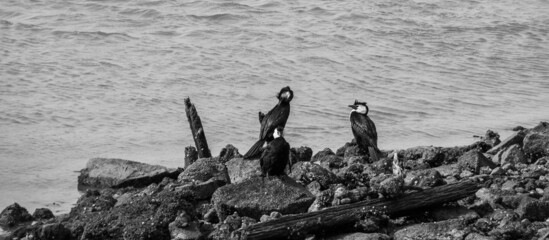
<point>276,133</point>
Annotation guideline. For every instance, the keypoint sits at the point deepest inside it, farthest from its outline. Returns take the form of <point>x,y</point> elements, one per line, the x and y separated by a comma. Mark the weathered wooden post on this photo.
<point>196,128</point>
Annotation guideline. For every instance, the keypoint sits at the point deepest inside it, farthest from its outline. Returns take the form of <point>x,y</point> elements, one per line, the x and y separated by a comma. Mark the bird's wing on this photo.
<point>274,118</point>
<point>261,116</point>
<point>365,128</point>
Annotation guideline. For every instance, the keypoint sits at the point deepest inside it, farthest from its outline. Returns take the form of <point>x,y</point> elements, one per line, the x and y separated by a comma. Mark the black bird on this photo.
<point>276,155</point>
<point>364,129</point>
<point>277,117</point>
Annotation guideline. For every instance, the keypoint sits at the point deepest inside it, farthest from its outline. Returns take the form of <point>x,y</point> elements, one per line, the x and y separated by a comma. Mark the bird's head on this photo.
<point>360,107</point>
<point>278,132</point>
<point>286,94</point>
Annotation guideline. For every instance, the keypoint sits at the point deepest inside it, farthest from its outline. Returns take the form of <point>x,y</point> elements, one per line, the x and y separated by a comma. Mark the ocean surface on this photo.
<point>107,78</point>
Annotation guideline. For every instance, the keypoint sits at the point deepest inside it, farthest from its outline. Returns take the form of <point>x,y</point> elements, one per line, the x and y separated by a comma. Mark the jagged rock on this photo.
<point>416,164</point>
<point>202,190</point>
<point>491,138</point>
<point>353,176</point>
<point>13,215</point>
<point>147,217</point>
<point>203,170</point>
<point>509,185</point>
<point>328,159</point>
<point>449,230</point>
<point>513,154</point>
<point>189,232</point>
<point>323,200</point>
<point>353,151</point>
<point>484,194</point>
<point>536,142</point>
<point>424,178</point>
<point>257,196</point>
<point>388,185</point>
<point>55,231</point>
<point>43,214</point>
<point>111,172</point>
<point>307,172</point>
<point>473,160</point>
<point>515,138</point>
<point>341,151</point>
<point>359,236</point>
<point>229,152</point>
<point>301,154</point>
<point>314,187</point>
<point>322,154</point>
<point>240,169</point>
<point>533,210</point>
<point>449,170</point>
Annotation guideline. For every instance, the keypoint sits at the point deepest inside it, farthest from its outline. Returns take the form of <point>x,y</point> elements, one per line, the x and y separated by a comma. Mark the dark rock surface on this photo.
<point>229,152</point>
<point>536,142</point>
<point>203,170</point>
<point>473,160</point>
<point>307,172</point>
<point>42,213</point>
<point>240,169</point>
<point>111,172</point>
<point>14,214</point>
<point>257,196</point>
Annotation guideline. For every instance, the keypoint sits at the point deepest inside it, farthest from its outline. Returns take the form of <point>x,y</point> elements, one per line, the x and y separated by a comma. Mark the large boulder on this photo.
<point>13,215</point>
<point>203,170</point>
<point>112,172</point>
<point>515,138</point>
<point>536,142</point>
<point>513,155</point>
<point>240,169</point>
<point>257,196</point>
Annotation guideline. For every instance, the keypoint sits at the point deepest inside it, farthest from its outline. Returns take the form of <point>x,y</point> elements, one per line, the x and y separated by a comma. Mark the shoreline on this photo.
<point>331,164</point>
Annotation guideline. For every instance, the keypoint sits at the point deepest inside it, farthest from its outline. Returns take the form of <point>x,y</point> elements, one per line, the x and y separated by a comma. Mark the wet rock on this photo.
<point>536,142</point>
<point>203,170</point>
<point>424,178</point>
<point>240,169</point>
<point>147,217</point>
<point>189,232</point>
<point>301,154</point>
<point>359,236</point>
<point>515,138</point>
<point>257,196</point>
<point>513,154</point>
<point>42,214</point>
<point>14,214</point>
<point>474,160</point>
<point>307,172</point>
<point>228,152</point>
<point>111,172</point>
<point>449,229</point>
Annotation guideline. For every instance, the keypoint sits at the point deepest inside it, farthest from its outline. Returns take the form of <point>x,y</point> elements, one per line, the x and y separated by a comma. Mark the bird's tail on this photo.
<point>255,150</point>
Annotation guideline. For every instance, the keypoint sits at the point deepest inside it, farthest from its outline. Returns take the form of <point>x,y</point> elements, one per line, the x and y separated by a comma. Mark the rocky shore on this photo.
<point>224,196</point>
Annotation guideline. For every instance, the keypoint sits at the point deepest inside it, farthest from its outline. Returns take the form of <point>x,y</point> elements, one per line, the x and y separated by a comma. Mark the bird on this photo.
<point>276,155</point>
<point>277,117</point>
<point>364,129</point>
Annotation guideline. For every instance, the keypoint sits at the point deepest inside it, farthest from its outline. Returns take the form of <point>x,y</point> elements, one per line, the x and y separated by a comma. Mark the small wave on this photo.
<point>141,12</point>
<point>320,60</point>
<point>91,34</point>
<point>218,17</point>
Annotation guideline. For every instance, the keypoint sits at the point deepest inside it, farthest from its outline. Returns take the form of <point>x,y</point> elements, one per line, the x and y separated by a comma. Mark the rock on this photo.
<point>449,230</point>
<point>359,236</point>
<point>191,155</point>
<point>491,138</point>
<point>42,214</point>
<point>147,217</point>
<point>211,216</point>
<point>536,142</point>
<point>321,155</point>
<point>509,185</point>
<point>513,154</point>
<point>388,185</point>
<point>55,231</point>
<point>533,210</point>
<point>516,138</point>
<point>323,200</point>
<point>353,151</point>
<point>416,164</point>
<point>240,169</point>
<point>14,214</point>
<point>497,171</point>
<point>203,170</point>
<point>424,178</point>
<point>301,154</point>
<point>190,232</point>
<point>453,212</point>
<point>474,160</point>
<point>434,156</point>
<point>257,196</point>
<point>478,236</point>
<point>353,176</point>
<point>307,172</point>
<point>111,172</point>
<point>202,190</point>
<point>449,170</point>
<point>229,152</point>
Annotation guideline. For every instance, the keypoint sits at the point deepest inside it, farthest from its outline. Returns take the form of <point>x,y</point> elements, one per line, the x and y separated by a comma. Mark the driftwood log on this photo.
<point>290,226</point>
<point>197,130</point>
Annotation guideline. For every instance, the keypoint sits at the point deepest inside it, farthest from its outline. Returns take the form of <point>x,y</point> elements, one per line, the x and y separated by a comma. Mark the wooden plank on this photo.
<point>198,131</point>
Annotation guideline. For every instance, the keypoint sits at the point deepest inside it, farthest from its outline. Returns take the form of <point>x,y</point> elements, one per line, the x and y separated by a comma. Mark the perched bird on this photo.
<point>364,129</point>
<point>277,117</point>
<point>276,155</point>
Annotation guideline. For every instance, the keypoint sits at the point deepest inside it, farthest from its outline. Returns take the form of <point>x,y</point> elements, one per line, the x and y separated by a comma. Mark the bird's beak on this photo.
<point>353,106</point>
